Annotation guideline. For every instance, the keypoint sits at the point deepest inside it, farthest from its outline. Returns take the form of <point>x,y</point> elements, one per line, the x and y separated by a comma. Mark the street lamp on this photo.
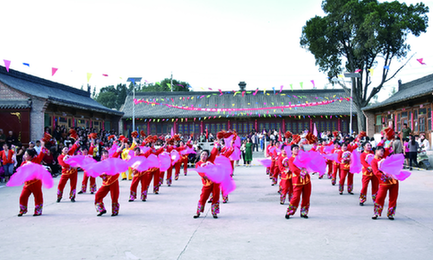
<point>133,80</point>
<point>352,76</point>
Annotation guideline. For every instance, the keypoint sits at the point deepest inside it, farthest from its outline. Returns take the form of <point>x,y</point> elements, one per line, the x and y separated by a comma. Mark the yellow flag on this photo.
<point>371,71</point>
<point>89,75</point>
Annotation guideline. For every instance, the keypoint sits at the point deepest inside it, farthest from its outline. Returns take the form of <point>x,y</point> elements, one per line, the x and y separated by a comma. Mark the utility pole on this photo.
<point>171,82</point>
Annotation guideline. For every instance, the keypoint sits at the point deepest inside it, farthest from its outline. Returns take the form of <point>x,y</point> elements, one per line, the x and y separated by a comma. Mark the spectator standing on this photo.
<point>406,131</point>
<point>2,139</point>
<point>11,139</point>
<point>413,151</point>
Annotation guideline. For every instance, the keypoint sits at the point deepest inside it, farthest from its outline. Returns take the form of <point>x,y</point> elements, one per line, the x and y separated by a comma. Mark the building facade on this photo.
<point>195,112</point>
<point>411,105</point>
<point>29,104</point>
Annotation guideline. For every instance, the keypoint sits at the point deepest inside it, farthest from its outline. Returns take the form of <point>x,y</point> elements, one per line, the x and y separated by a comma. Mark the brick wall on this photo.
<point>370,121</point>
<point>10,93</point>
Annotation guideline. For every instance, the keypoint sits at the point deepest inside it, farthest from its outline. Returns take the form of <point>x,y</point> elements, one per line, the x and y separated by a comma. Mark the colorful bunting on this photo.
<point>89,75</point>
<point>53,71</point>
<point>420,61</point>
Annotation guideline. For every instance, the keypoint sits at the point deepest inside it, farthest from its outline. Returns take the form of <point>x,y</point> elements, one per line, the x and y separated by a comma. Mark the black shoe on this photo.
<point>91,192</point>
<point>361,204</point>
<point>72,200</point>
<point>282,203</point>
<point>304,216</point>
<point>351,193</point>
<point>410,169</point>
<point>130,200</point>
<point>35,215</point>
<point>209,201</point>
<point>225,201</point>
<point>287,216</point>
<point>215,216</point>
<point>143,200</point>
<point>59,199</point>
<point>391,217</point>
<point>114,214</point>
<point>156,192</point>
<point>123,179</point>
<point>341,193</point>
<point>80,192</point>
<point>374,217</point>
<point>196,216</point>
<point>20,214</point>
<point>101,213</point>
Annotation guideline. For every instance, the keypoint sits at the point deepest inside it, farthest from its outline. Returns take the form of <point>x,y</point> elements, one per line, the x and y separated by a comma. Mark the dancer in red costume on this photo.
<point>367,176</point>
<point>109,184</point>
<point>170,147</point>
<point>335,164</point>
<point>274,167</point>
<point>344,156</point>
<point>183,160</point>
<point>386,184</point>
<point>208,186</point>
<point>139,177</point>
<point>226,152</point>
<point>68,173</point>
<point>268,154</point>
<point>286,177</point>
<point>152,172</point>
<point>86,177</point>
<point>34,186</point>
<point>301,187</point>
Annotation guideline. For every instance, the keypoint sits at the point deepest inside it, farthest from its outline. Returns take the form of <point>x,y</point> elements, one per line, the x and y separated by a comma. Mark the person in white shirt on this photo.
<point>424,143</point>
<point>38,146</point>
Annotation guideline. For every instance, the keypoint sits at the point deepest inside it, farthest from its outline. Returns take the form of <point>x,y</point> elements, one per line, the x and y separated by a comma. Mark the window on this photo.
<point>197,128</point>
<point>300,127</point>
<point>272,126</point>
<point>218,127</point>
<point>212,129</point>
<point>251,126</point>
<point>153,129</point>
<point>344,127</point>
<point>404,114</point>
<point>158,128</point>
<point>267,126</point>
<point>180,129</point>
<point>245,127</point>
<point>234,127</point>
<point>334,126</point>
<point>322,126</point>
<point>398,116</point>
<point>422,111</point>
<point>47,120</point>
<point>429,120</point>
<point>191,128</point>
<point>307,126</point>
<point>415,114</point>
<point>261,127</point>
<point>422,124</point>
<point>279,127</point>
<point>289,126</point>
<point>223,126</point>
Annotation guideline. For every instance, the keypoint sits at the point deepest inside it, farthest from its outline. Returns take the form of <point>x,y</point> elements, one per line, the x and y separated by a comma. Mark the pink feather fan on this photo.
<point>219,172</point>
<point>355,162</point>
<point>31,171</point>
<point>393,165</point>
<point>312,161</point>
<point>110,166</point>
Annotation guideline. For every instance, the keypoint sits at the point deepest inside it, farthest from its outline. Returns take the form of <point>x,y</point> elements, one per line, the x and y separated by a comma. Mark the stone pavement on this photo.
<point>250,226</point>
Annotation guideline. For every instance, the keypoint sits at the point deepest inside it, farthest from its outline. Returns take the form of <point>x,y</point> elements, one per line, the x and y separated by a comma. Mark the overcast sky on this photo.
<point>210,44</point>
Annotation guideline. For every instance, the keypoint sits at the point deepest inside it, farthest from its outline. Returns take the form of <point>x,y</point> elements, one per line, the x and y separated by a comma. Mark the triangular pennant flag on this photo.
<point>291,86</point>
<point>26,64</point>
<point>105,75</point>
<point>53,71</point>
<point>420,61</point>
<point>89,75</point>
<point>314,85</point>
<point>358,70</point>
<point>169,85</point>
<point>7,64</point>
<point>371,71</point>
<point>302,83</point>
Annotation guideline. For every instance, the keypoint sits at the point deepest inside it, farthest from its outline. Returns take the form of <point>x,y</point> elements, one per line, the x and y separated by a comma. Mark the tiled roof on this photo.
<point>14,104</point>
<point>229,100</point>
<point>55,92</point>
<point>411,90</point>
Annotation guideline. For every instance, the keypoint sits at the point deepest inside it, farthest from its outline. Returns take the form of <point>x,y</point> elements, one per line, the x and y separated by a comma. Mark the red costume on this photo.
<point>68,173</point>
<point>183,159</point>
<point>86,178</point>
<point>109,184</point>
<point>286,179</point>
<point>32,187</point>
<point>335,167</point>
<point>301,186</point>
<point>367,176</point>
<point>344,158</point>
<point>386,184</point>
<point>208,188</point>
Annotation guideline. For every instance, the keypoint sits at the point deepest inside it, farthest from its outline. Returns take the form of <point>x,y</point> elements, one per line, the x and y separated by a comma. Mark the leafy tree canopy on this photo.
<point>355,34</point>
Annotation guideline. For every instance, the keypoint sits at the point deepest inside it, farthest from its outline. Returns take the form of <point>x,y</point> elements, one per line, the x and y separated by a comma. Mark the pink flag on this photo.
<point>172,132</point>
<point>315,130</point>
<point>420,61</point>
<point>358,70</point>
<point>281,88</point>
<point>314,85</point>
<point>105,75</point>
<point>7,64</point>
<point>53,71</point>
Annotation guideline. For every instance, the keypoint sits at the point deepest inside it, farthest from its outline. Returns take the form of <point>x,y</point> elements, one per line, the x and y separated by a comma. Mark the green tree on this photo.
<point>355,34</point>
<point>165,85</point>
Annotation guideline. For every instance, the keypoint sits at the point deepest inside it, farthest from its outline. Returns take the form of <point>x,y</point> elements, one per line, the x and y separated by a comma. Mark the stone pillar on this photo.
<point>37,118</point>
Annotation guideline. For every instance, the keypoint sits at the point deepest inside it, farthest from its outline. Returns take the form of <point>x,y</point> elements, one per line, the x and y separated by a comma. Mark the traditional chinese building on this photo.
<point>28,104</point>
<point>411,105</point>
<point>194,112</point>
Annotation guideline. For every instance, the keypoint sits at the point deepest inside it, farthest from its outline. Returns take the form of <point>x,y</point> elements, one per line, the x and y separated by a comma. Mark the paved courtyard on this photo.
<point>250,226</point>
